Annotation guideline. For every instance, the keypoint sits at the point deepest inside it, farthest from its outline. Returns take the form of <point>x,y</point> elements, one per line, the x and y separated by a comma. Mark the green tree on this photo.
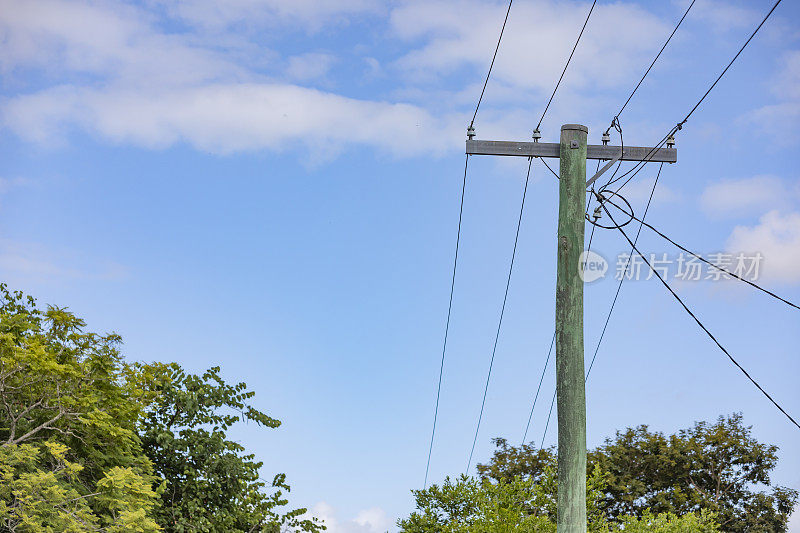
<point>718,467</point>
<point>90,443</point>
<point>522,505</point>
<point>526,461</point>
<point>212,485</point>
<point>70,459</point>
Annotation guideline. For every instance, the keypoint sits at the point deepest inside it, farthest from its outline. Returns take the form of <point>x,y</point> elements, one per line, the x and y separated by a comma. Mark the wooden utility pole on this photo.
<point>573,153</point>
<point>570,390</point>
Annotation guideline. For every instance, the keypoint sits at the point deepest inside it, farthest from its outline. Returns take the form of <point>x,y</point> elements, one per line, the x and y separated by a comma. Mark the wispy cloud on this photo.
<point>777,238</point>
<point>539,36</point>
<point>28,262</point>
<point>310,66</point>
<point>780,121</point>
<point>311,14</point>
<point>123,72</point>
<point>225,118</point>
<point>747,196</point>
<point>373,520</point>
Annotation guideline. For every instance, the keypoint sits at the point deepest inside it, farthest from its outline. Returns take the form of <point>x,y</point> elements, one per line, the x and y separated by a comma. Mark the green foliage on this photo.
<point>719,467</point>
<point>703,522</point>
<point>471,505</point>
<point>90,443</point>
<point>509,462</point>
<point>715,467</point>
<point>69,453</point>
<point>212,485</point>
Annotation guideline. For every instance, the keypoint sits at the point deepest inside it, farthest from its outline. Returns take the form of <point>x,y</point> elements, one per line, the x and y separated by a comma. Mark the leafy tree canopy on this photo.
<point>471,505</point>
<point>211,483</point>
<point>718,467</point>
<point>91,443</point>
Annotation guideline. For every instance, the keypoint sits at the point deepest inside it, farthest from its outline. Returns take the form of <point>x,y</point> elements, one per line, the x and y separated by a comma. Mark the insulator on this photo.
<point>536,135</point>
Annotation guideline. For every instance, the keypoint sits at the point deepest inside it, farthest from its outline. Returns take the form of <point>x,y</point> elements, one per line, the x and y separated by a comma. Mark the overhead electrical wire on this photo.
<point>699,323</point>
<point>549,414</point>
<point>622,278</point>
<point>447,323</point>
<point>704,260</point>
<point>569,59</point>
<point>491,65</point>
<point>646,72</point>
<point>539,388</point>
<point>680,124</point>
<point>502,312</point>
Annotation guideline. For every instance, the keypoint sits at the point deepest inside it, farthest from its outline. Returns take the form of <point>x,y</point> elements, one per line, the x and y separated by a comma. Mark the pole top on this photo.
<point>578,127</point>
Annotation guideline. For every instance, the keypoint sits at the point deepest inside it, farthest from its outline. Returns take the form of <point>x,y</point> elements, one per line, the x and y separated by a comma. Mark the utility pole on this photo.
<point>570,389</point>
<point>572,152</point>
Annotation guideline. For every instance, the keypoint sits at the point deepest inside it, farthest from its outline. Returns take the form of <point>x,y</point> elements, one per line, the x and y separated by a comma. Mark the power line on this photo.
<point>491,65</point>
<point>547,424</point>
<point>654,61</point>
<point>567,64</point>
<point>680,124</point>
<point>502,312</point>
<point>699,323</point>
<point>447,324</point>
<point>550,169</point>
<point>622,279</point>
<point>539,388</point>
<point>683,248</point>
<point>775,5</point>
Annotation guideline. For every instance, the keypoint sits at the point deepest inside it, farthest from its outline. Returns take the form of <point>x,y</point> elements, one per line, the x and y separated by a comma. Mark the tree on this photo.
<point>470,505</point>
<point>91,443</point>
<point>717,467</point>
<point>211,483</point>
<point>522,505</point>
<point>70,459</point>
<point>508,462</point>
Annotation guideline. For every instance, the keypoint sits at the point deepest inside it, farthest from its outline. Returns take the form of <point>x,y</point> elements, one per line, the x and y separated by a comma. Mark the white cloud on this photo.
<point>373,520</point>
<point>112,40</point>
<point>313,14</point>
<point>721,16</point>
<point>780,121</point>
<point>6,184</point>
<point>123,72</point>
<point>24,262</point>
<point>757,194</point>
<point>777,238</point>
<point>539,35</point>
<point>638,191</point>
<point>794,522</point>
<point>309,66</point>
<point>228,118</point>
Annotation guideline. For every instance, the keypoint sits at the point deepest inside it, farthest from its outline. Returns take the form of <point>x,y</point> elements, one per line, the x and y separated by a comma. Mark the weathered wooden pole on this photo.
<point>569,333</point>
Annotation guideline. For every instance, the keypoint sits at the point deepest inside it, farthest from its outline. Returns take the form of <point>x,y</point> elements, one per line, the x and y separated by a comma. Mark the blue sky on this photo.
<point>273,187</point>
